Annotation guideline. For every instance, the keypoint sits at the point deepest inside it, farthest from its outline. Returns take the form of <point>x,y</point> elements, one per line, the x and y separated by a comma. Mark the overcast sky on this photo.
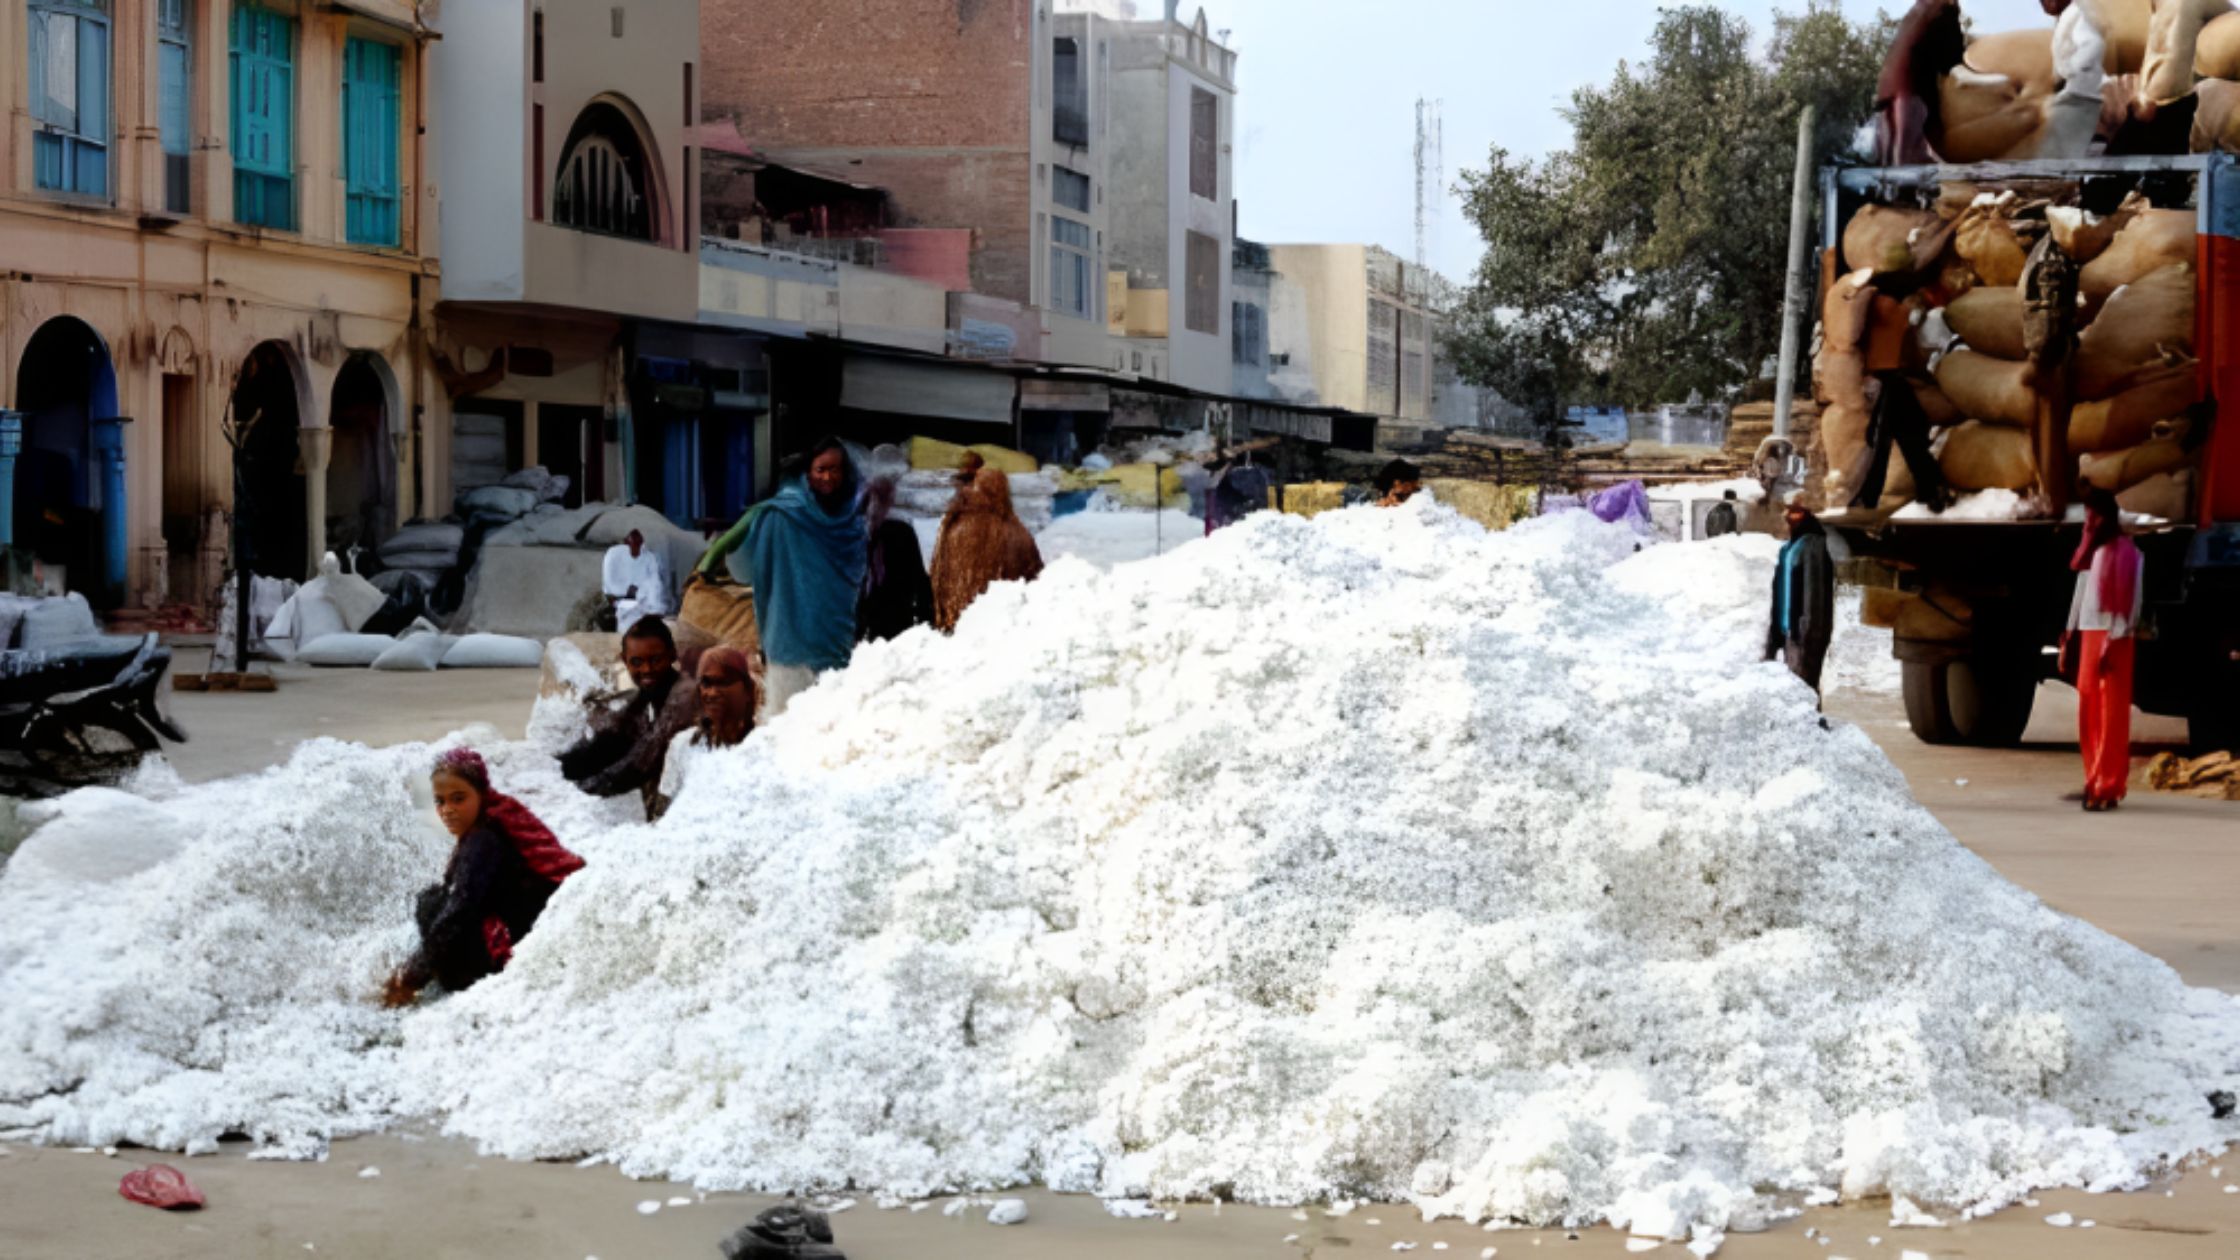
<point>1327,92</point>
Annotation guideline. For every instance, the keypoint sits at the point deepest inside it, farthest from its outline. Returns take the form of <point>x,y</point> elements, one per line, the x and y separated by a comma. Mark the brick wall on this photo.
<point>929,99</point>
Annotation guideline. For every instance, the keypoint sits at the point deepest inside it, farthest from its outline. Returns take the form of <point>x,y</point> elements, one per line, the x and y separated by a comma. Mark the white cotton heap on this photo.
<point>1372,856</point>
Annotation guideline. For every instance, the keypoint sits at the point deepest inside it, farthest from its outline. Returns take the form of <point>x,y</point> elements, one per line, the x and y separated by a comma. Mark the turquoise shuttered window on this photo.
<point>174,75</point>
<point>264,82</point>
<point>371,81</point>
<point>67,55</point>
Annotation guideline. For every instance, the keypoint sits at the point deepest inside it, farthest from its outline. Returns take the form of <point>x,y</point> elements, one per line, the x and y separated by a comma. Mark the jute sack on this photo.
<point>2118,471</point>
<point>1839,379</point>
<point>1994,103</point>
<point>1937,405</point>
<point>2085,239</point>
<point>2216,116</point>
<point>1990,320</point>
<point>2154,239</point>
<point>2143,328</point>
<point>2173,38</point>
<point>2167,495</point>
<point>2129,418</point>
<point>1845,310</point>
<point>2216,55</point>
<point>1986,237</point>
<point>724,610</point>
<point>1887,240</point>
<point>2123,24</point>
<point>1980,456</point>
<point>1843,439</point>
<point>1995,391</point>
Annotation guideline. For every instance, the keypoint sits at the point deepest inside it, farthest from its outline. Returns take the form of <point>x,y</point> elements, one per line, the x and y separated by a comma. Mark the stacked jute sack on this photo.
<point>2089,384</point>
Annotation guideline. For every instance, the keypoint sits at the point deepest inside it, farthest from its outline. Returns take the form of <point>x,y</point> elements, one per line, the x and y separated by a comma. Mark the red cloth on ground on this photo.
<point>2104,714</point>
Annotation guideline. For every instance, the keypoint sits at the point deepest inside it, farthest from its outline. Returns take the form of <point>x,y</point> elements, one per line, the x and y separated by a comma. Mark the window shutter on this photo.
<point>370,102</point>
<point>263,117</point>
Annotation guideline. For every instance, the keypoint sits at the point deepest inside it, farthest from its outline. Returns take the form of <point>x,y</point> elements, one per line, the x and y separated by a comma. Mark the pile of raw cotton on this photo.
<point>1367,856</point>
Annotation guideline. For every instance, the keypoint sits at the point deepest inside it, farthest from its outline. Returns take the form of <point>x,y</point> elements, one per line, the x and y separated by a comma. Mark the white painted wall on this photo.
<point>1198,360</point>
<point>478,88</point>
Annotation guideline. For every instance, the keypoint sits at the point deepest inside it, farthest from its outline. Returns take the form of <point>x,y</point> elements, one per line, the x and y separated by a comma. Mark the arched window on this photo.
<point>606,183</point>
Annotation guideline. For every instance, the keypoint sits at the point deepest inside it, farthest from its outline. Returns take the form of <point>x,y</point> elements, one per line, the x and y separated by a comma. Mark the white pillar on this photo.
<point>316,444</point>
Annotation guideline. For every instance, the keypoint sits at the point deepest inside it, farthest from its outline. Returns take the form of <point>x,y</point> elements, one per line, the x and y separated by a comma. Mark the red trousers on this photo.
<point>2104,714</point>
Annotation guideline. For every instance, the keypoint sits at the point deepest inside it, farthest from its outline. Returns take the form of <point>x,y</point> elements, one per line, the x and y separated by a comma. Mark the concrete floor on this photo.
<point>2159,873</point>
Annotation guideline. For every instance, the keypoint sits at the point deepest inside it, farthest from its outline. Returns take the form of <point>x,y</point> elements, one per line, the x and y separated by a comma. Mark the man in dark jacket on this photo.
<point>1804,599</point>
<point>626,747</point>
<point>1721,519</point>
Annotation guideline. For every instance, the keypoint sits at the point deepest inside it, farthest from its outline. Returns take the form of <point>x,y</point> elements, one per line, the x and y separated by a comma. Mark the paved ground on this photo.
<point>2160,874</point>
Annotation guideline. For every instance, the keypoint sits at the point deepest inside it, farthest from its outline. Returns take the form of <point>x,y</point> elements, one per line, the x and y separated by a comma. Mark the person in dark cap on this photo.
<point>1398,482</point>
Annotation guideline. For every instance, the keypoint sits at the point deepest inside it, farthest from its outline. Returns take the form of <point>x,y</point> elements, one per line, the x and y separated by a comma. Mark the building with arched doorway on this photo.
<point>571,291</point>
<point>212,208</point>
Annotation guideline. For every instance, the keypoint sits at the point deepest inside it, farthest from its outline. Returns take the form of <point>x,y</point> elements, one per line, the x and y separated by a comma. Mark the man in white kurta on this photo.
<point>634,577</point>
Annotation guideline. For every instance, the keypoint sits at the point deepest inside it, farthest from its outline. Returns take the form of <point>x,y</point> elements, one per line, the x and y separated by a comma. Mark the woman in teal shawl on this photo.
<point>804,554</point>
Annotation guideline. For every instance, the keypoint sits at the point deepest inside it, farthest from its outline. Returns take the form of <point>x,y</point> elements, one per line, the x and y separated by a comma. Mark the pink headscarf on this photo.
<point>2111,558</point>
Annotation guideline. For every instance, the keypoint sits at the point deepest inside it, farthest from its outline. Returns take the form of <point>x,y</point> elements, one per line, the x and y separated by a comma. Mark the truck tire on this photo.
<point>1978,701</point>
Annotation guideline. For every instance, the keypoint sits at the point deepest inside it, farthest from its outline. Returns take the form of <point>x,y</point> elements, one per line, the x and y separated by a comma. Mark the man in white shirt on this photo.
<point>634,577</point>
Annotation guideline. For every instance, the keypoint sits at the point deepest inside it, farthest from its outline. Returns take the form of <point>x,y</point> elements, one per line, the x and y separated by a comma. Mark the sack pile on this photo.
<point>2014,387</point>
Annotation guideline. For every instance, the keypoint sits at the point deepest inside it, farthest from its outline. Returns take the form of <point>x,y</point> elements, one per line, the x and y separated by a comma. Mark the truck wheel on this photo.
<point>1975,700</point>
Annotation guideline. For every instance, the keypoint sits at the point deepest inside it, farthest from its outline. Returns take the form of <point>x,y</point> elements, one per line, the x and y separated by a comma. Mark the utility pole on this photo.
<point>1795,296</point>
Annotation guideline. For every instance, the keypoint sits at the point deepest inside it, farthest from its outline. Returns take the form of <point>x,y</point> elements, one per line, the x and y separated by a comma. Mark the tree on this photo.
<point>1646,262</point>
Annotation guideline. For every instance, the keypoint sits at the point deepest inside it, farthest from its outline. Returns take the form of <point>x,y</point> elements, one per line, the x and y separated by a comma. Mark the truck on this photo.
<point>1977,607</point>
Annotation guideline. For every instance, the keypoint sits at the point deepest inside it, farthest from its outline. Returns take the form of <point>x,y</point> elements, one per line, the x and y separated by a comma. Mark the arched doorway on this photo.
<point>69,482</point>
<point>361,496</point>
<point>268,488</point>
<point>609,180</point>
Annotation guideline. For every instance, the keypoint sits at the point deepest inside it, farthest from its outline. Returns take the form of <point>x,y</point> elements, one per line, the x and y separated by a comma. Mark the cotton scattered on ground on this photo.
<point>1367,857</point>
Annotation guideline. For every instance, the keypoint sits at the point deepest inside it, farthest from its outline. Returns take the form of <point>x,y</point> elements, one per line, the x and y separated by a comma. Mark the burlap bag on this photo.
<point>2123,24</point>
<point>1845,310</point>
<point>2216,55</point>
<point>2167,495</point>
<point>1937,405</point>
<point>2216,116</point>
<point>2119,471</point>
<point>2129,418</point>
<point>1843,440</point>
<point>1995,391</point>
<point>1990,320</point>
<point>1980,456</point>
<point>1999,107</point>
<point>2154,239</point>
<point>2143,328</point>
<point>1986,237</point>
<point>1887,240</point>
<point>2173,40</point>
<point>2086,239</point>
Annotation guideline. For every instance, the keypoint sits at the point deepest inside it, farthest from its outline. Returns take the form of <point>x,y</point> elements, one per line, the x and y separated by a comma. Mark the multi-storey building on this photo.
<point>213,215</point>
<point>1362,324</point>
<point>1173,211</point>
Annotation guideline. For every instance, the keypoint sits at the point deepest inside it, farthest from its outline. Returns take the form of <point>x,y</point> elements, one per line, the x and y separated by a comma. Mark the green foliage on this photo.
<point>1647,262</point>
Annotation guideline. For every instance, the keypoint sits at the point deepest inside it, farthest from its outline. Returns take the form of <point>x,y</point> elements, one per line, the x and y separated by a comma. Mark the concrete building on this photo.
<point>211,212</point>
<point>1173,211</point>
<point>1358,323</point>
<point>1252,279</point>
<point>568,334</point>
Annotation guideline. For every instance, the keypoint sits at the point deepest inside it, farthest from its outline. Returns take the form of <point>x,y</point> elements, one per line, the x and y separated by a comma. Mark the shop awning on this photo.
<point>902,387</point>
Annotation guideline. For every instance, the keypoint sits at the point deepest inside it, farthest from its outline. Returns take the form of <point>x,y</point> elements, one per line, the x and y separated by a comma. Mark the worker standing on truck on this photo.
<point>1804,599</point>
<point>2097,650</point>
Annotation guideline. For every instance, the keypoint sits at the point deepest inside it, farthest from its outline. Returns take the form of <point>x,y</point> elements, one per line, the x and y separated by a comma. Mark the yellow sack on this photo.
<point>2173,41</point>
<point>1312,498</point>
<point>1133,484</point>
<point>2167,495</point>
<point>1990,320</point>
<point>1979,456</point>
<point>724,610</point>
<point>933,453</point>
<point>2124,25</point>
<point>1493,506</point>
<point>1937,405</point>
<point>2129,418</point>
<point>2144,328</point>
<point>2154,239</point>
<point>2216,116</point>
<point>1996,391</point>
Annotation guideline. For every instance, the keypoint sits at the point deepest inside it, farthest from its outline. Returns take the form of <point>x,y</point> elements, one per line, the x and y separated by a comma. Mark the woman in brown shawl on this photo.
<point>982,542</point>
